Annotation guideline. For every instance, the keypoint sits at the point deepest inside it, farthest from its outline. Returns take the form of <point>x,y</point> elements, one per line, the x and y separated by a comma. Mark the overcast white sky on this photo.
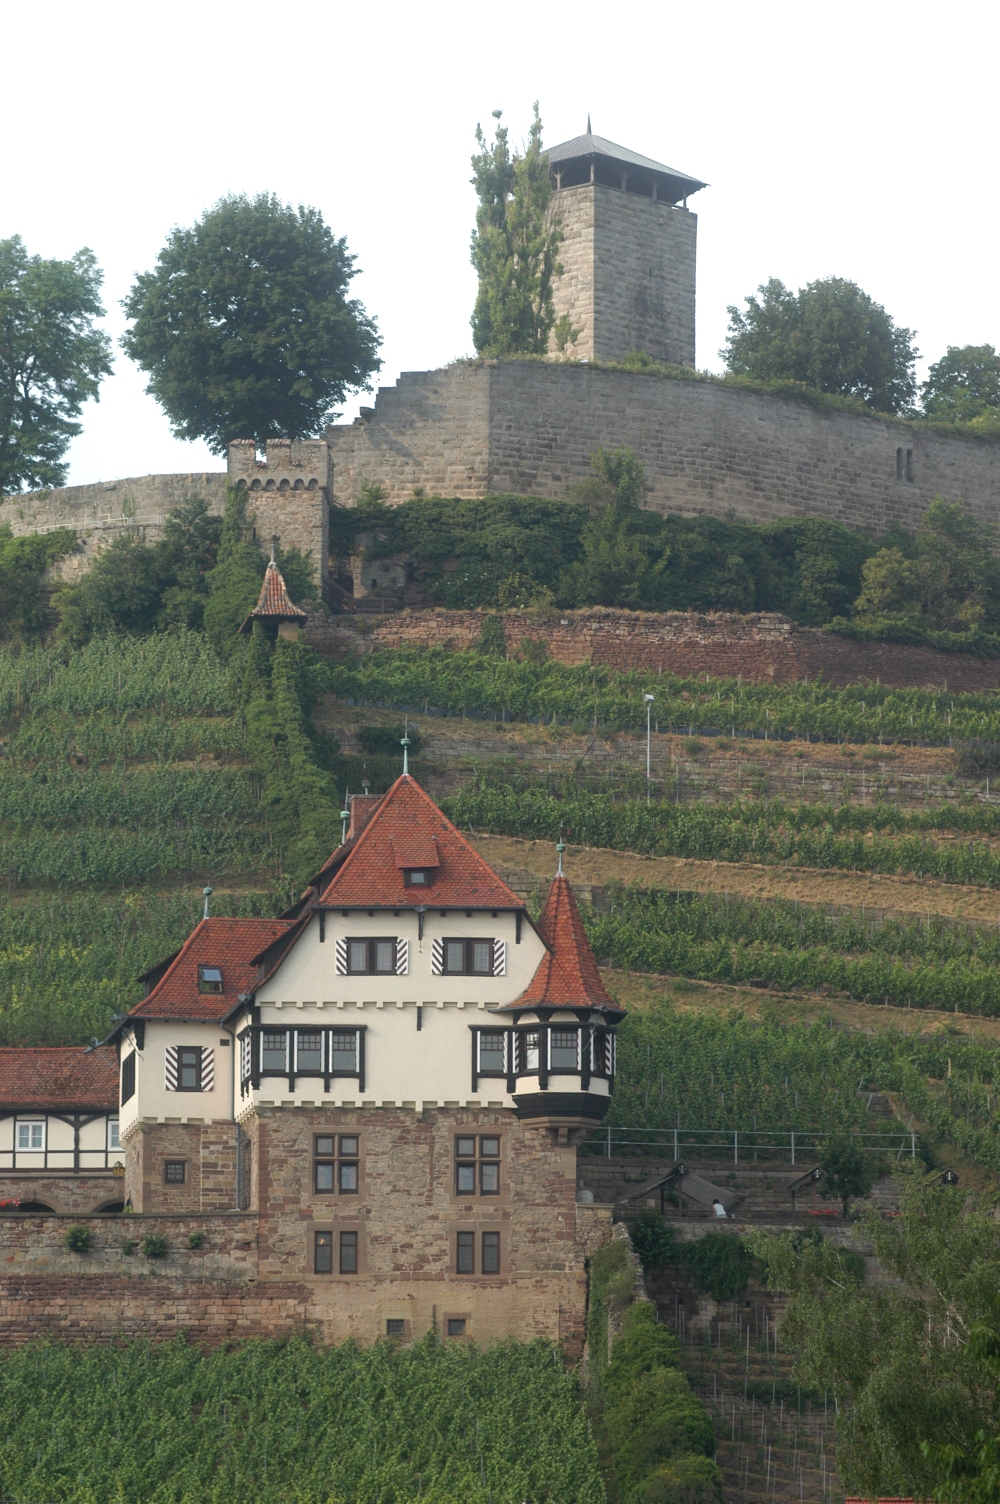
<point>850,139</point>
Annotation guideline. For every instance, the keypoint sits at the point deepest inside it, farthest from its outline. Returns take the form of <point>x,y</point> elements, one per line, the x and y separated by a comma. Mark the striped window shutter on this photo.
<point>341,958</point>
<point>207,1069</point>
<point>402,957</point>
<point>437,958</point>
<point>171,1068</point>
<point>499,958</point>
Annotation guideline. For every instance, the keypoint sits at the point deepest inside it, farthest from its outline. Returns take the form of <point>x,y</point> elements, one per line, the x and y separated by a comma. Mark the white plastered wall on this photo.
<point>404,1066</point>
<point>151,1101</point>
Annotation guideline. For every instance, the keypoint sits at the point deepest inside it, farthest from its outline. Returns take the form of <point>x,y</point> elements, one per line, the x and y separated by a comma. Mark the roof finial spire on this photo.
<point>560,847</point>
<point>274,543</point>
<point>405,744</point>
<point>206,893</point>
<point>345,815</point>
<point>588,123</point>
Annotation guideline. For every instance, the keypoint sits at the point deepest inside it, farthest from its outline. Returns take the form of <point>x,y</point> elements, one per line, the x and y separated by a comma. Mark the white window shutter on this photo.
<point>207,1069</point>
<point>402,957</point>
<point>499,958</point>
<point>341,958</point>
<point>170,1080</point>
<point>437,958</point>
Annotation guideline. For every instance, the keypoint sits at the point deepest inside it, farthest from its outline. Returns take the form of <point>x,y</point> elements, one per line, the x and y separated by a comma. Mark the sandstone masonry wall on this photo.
<point>759,647</point>
<point>644,277</point>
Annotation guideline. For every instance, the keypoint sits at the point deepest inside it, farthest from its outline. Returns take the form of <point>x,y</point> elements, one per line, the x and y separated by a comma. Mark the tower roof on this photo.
<point>671,185</point>
<point>274,603</point>
<point>567,977</point>
<point>407,830</point>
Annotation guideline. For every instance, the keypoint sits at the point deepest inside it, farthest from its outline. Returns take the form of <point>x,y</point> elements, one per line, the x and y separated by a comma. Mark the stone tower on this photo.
<point>628,252</point>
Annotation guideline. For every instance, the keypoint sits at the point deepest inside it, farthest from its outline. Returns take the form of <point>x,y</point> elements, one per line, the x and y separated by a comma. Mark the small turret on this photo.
<point>274,609</point>
<point>564,1027</point>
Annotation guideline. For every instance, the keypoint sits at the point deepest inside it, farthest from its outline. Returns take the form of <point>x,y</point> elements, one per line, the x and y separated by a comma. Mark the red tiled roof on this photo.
<point>567,977</point>
<point>408,819</point>
<point>274,602</point>
<point>413,850</point>
<point>58,1078</point>
<point>230,944</point>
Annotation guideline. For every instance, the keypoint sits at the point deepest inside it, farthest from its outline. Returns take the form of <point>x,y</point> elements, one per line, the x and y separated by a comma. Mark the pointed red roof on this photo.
<point>232,946</point>
<point>274,603</point>
<point>567,977</point>
<point>60,1078</point>
<point>408,824</point>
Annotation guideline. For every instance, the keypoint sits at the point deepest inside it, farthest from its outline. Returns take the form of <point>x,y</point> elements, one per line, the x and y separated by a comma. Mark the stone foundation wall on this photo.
<point>72,1195</point>
<point>759,647</point>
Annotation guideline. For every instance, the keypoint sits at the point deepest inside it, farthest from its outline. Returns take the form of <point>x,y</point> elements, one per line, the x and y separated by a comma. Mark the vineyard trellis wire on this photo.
<point>737,1148</point>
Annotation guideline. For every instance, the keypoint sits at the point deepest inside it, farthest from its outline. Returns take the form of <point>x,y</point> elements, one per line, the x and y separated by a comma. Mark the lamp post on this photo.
<point>649,707</point>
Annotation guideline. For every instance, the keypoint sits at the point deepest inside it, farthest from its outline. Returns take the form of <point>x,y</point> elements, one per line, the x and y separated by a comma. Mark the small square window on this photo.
<point>323,1253</point>
<point>114,1134</point>
<point>323,1144</point>
<point>456,1326</point>
<point>395,1326</point>
<point>209,979</point>
<point>465,1148</point>
<point>489,1179</point>
<point>31,1136</point>
<point>414,878</point>
<point>189,1068</point>
<point>465,1261</point>
<point>348,1178</point>
<point>489,1148</point>
<point>174,1171</point>
<point>348,1253</point>
<point>324,1177</point>
<point>491,1253</point>
<point>348,1145</point>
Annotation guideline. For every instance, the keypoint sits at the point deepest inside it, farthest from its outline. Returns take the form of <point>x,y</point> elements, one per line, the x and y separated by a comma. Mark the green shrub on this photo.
<point>77,1239</point>
<point>128,1246</point>
<point>155,1246</point>
<point>718,1263</point>
<point>685,1480</point>
<point>609,1268</point>
<point>195,1239</point>
<point>653,1240</point>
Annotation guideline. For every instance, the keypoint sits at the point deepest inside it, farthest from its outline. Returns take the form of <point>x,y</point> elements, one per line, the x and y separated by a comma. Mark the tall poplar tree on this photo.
<point>514,245</point>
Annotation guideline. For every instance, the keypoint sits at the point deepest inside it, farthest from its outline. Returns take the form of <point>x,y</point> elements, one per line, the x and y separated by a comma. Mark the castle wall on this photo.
<point>573,292</point>
<point>71,1195</point>
<point>644,277</point>
<point>758,647</point>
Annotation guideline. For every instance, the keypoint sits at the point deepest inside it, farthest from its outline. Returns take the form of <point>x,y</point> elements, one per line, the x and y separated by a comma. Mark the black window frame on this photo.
<point>476,1161</point>
<point>372,941</point>
<point>253,1057</point>
<point>490,1252</point>
<point>293,1055</point>
<point>322,1251</point>
<point>204,985</point>
<point>395,1326</point>
<point>455,1325</point>
<point>349,1250</point>
<point>468,942</point>
<point>465,1252</point>
<point>199,1059</point>
<point>175,1164</point>
<point>128,1077</point>
<point>563,1069</point>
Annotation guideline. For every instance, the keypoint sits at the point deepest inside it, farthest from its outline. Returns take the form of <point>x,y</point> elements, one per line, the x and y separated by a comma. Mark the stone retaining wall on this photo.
<point>760,647</point>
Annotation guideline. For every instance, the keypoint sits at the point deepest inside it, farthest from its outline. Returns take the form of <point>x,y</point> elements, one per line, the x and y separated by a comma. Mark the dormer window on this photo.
<point>416,877</point>
<point>209,979</point>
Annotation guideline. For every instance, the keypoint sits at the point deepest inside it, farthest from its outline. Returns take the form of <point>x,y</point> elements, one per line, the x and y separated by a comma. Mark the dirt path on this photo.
<point>589,865</point>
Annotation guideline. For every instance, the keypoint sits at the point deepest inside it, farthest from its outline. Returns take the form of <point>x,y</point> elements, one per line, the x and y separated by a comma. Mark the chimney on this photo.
<point>363,806</point>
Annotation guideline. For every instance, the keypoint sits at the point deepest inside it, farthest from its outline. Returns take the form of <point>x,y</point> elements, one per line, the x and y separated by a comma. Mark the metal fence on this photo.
<point>735,1146</point>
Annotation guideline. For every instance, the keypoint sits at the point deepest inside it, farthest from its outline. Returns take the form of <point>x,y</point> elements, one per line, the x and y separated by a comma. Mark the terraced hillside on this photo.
<point>125,787</point>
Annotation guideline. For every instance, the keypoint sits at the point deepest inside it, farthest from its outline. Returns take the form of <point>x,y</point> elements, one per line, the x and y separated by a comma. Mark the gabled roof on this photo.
<point>678,184</point>
<point>408,820</point>
<point>567,976</point>
<point>59,1078</point>
<point>274,603</point>
<point>230,944</point>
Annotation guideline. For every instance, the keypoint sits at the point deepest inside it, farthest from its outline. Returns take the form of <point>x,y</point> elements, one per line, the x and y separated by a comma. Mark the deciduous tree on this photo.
<point>514,245</point>
<point>52,360</point>
<point>245,328</point>
<point>829,335</point>
<point>964,384</point>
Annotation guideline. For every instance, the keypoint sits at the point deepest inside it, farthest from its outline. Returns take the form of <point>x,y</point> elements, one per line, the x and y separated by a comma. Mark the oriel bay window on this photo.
<point>563,1049</point>
<point>266,1050</point>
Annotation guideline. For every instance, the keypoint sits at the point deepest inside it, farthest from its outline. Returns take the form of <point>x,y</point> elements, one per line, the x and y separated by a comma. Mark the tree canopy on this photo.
<point>52,360</point>
<point>514,245</point>
<point>829,335</point>
<point>946,575</point>
<point>245,329</point>
<point>964,384</point>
